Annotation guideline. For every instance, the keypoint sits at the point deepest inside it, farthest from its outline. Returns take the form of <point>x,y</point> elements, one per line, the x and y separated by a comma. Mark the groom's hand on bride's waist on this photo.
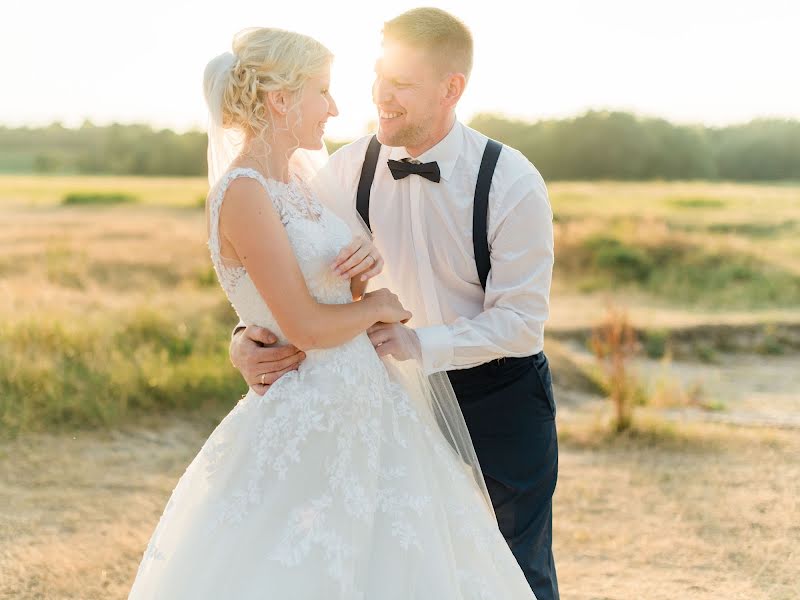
<point>395,339</point>
<point>259,361</point>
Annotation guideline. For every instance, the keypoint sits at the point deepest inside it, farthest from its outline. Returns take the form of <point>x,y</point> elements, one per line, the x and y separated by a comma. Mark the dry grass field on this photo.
<point>114,369</point>
<point>706,512</point>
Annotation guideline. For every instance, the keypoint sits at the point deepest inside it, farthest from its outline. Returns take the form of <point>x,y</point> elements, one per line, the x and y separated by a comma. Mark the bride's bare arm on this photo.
<point>249,222</point>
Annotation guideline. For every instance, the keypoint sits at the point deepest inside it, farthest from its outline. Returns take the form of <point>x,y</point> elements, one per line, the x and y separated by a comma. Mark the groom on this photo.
<point>465,228</point>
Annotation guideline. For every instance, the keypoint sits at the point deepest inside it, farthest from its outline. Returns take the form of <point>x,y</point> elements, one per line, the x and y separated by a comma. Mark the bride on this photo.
<point>353,477</point>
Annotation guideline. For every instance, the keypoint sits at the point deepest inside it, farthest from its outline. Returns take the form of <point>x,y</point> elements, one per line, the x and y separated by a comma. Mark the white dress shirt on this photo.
<point>423,230</point>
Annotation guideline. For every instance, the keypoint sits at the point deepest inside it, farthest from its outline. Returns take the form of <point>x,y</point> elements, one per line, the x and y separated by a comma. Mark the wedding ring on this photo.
<point>262,378</point>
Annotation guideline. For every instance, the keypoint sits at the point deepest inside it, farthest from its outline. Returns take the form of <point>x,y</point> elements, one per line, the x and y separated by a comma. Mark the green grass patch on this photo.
<point>62,373</point>
<point>627,263</point>
<point>655,342</point>
<point>772,343</point>
<point>97,198</point>
<point>206,277</point>
<point>699,202</point>
<point>677,271</point>
<point>50,190</point>
<point>705,352</point>
<point>756,230</point>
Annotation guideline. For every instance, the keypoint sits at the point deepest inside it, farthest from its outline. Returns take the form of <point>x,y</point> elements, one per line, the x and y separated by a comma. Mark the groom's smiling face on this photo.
<point>410,92</point>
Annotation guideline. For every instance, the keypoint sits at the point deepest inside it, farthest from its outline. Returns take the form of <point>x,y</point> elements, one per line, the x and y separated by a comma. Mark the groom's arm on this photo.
<point>516,303</point>
<point>261,363</point>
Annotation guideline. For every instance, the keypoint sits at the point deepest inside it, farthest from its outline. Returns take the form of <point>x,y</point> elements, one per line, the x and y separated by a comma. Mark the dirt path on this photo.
<point>712,515</point>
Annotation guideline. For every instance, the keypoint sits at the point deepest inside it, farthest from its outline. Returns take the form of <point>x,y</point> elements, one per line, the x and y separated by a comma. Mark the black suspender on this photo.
<point>480,209</point>
<point>367,175</point>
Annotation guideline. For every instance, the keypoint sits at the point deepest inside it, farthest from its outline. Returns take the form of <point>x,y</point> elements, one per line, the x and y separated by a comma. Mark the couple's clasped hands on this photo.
<point>262,364</point>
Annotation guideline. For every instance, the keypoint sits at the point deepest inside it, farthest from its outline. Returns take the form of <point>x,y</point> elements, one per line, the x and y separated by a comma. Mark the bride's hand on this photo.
<point>390,310</point>
<point>359,258</point>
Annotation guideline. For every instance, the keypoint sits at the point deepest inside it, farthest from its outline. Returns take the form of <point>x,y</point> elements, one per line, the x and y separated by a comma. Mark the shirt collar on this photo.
<point>445,153</point>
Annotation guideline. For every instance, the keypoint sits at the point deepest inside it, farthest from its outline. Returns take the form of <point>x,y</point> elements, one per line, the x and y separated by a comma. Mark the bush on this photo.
<point>614,344</point>
<point>625,263</point>
<point>655,342</point>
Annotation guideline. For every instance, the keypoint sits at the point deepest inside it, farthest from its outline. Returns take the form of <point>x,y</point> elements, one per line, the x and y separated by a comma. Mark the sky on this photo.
<point>700,61</point>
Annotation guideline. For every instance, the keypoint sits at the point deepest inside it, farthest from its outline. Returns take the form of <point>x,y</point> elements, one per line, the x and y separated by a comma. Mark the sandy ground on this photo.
<point>709,513</point>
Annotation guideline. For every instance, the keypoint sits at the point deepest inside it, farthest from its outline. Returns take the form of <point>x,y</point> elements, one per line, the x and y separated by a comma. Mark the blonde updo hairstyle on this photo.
<point>268,60</point>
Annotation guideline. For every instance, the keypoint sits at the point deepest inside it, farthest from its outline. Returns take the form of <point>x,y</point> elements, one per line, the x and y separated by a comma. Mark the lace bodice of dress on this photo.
<point>315,233</point>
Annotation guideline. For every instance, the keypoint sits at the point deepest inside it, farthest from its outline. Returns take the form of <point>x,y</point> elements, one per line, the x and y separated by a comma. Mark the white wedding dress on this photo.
<point>335,484</point>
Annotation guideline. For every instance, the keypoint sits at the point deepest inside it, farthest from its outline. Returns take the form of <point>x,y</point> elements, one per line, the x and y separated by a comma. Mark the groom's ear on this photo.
<point>454,85</point>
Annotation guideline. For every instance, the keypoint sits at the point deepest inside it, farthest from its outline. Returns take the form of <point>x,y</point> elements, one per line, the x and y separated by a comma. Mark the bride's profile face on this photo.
<point>316,107</point>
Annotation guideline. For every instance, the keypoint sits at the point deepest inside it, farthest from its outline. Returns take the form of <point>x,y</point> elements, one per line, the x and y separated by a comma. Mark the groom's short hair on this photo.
<point>441,34</point>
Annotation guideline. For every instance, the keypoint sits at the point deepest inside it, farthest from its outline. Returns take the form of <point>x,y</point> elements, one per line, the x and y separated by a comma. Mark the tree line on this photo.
<point>594,145</point>
<point>618,145</point>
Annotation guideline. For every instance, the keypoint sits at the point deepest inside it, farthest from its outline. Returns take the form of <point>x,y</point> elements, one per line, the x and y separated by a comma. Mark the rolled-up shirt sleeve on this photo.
<point>516,302</point>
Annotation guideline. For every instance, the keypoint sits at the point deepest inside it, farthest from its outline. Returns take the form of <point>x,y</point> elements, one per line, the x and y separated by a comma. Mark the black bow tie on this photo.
<point>403,168</point>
